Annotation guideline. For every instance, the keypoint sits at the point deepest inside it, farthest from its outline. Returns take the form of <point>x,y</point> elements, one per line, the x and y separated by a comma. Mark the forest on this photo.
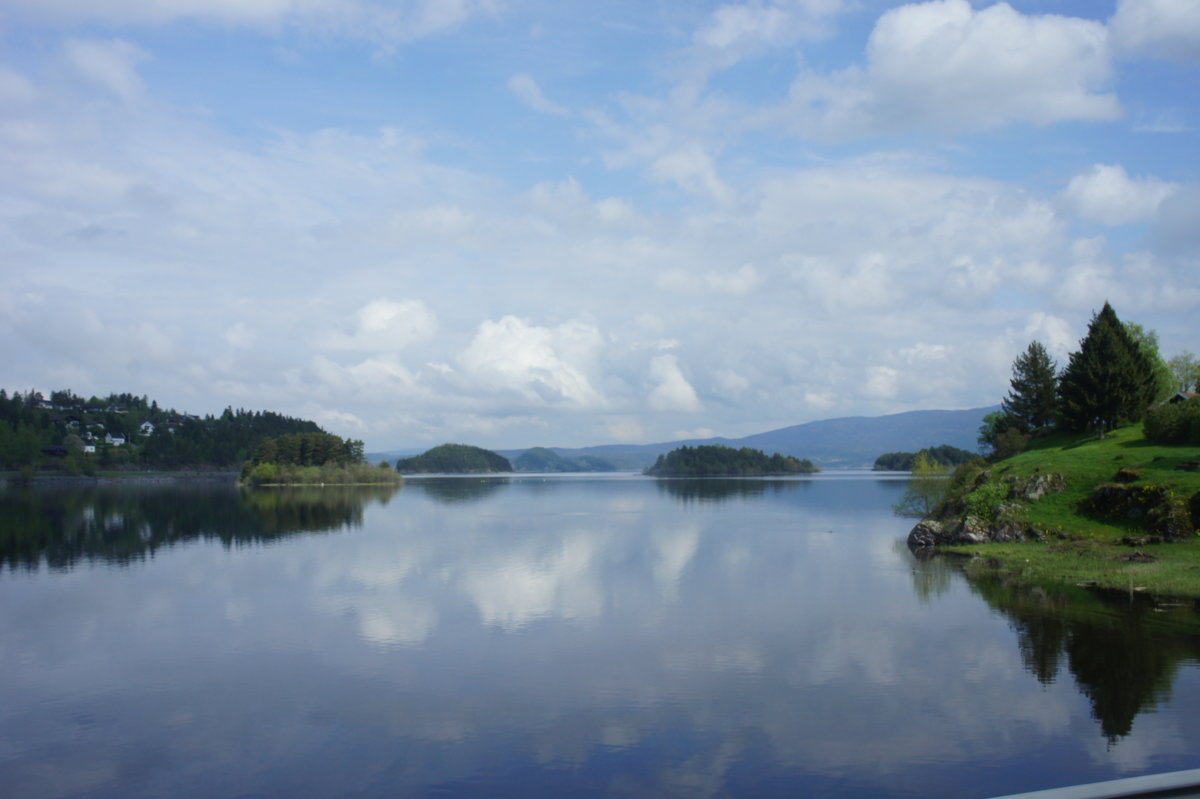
<point>76,435</point>
<point>944,456</point>
<point>714,460</point>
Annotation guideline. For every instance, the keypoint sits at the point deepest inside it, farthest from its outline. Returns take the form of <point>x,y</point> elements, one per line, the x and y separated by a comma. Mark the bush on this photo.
<point>1174,423</point>
<point>985,501</point>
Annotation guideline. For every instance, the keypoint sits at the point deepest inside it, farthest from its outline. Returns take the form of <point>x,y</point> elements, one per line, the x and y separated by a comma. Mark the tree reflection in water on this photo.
<point>123,524</point>
<point>1123,653</point>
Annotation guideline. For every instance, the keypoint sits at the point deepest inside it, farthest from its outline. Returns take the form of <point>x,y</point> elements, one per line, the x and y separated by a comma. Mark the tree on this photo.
<point>1147,343</point>
<point>1185,372</point>
<point>1030,405</point>
<point>1108,381</point>
<point>926,488</point>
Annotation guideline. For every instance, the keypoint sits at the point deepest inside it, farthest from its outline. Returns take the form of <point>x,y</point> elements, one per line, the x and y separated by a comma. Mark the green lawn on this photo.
<point>1088,550</point>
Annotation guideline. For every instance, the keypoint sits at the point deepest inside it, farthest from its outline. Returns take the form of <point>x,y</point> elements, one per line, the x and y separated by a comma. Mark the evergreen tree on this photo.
<point>1031,403</point>
<point>1108,381</point>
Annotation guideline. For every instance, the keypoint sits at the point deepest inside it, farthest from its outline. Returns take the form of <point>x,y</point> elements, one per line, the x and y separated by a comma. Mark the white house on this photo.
<point>116,439</point>
<point>147,428</point>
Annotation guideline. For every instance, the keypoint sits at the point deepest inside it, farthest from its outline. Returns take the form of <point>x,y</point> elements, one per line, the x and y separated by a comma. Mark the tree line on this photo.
<point>78,435</point>
<point>1117,376</point>
<point>715,460</point>
<point>944,456</point>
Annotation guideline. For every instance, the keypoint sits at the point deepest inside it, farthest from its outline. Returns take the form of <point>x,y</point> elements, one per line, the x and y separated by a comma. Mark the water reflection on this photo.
<point>1124,654</point>
<point>126,523</point>
<point>719,489</point>
<point>454,490</point>
<point>568,637</point>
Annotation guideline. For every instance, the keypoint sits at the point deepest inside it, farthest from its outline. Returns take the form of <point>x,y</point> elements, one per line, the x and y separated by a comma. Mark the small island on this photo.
<point>310,459</point>
<point>541,459</point>
<point>455,459</point>
<point>715,460</point>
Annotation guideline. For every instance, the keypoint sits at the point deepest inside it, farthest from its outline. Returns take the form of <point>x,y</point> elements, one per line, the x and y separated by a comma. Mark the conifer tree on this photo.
<point>1031,403</point>
<point>1108,381</point>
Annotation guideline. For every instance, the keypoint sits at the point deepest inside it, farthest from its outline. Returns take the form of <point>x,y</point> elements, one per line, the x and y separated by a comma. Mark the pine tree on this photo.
<point>1108,381</point>
<point>1030,405</point>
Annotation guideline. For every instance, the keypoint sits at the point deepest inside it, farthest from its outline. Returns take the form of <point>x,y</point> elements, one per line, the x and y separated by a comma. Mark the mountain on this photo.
<point>847,442</point>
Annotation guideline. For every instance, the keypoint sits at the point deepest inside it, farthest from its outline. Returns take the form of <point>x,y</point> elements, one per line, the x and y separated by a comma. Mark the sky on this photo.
<point>514,223</point>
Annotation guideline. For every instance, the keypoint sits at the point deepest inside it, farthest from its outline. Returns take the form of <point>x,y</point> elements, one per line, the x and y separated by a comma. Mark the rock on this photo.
<point>1126,475</point>
<point>1041,484</point>
<point>927,533</point>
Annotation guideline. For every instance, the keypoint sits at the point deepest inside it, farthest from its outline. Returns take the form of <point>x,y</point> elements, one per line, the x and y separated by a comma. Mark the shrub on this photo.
<point>985,501</point>
<point>1174,423</point>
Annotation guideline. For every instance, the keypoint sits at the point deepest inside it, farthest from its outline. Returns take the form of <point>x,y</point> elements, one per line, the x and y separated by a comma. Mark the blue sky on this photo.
<point>517,222</point>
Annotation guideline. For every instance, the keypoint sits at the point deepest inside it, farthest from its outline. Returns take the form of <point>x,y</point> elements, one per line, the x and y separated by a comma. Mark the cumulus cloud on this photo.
<point>944,67</point>
<point>526,89</point>
<point>541,364</point>
<point>1157,29</point>
<point>670,390</point>
<point>384,324</point>
<point>1106,194</point>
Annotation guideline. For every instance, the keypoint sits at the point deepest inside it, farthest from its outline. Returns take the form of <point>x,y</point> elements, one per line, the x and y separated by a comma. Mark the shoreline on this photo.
<point>1117,514</point>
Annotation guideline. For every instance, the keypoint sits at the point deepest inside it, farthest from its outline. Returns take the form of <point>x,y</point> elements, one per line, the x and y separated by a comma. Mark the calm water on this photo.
<point>613,636</point>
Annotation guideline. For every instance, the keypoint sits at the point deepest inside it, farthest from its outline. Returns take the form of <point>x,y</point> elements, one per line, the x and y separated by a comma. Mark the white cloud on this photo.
<point>693,169</point>
<point>945,68</point>
<point>671,390</point>
<point>881,382</point>
<point>1157,29</point>
<point>541,364</point>
<point>379,21</point>
<point>1106,194</point>
<point>108,64</point>
<point>384,324</point>
<point>741,281</point>
<point>530,93</point>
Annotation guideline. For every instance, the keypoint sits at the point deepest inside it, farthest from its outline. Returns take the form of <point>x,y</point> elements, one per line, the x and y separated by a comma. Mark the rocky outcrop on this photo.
<point>1163,513</point>
<point>984,511</point>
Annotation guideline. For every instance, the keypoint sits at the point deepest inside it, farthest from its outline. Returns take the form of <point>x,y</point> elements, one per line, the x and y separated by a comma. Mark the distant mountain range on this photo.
<point>848,442</point>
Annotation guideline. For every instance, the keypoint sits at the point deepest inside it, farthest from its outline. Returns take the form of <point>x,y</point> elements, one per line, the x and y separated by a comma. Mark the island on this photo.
<point>715,460</point>
<point>541,459</point>
<point>455,459</point>
<point>312,459</point>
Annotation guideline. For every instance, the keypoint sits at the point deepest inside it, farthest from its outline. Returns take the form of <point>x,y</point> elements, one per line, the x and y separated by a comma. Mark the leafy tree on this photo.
<point>1108,381</point>
<point>1030,404</point>
<point>1185,372</point>
<point>1147,344</point>
<point>995,424</point>
<point>926,488</point>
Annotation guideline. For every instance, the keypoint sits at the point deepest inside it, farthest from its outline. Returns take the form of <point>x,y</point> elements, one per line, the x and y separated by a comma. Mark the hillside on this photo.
<point>1120,513</point>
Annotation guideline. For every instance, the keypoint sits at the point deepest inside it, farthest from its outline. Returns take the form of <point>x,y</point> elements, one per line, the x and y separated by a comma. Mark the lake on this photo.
<point>535,636</point>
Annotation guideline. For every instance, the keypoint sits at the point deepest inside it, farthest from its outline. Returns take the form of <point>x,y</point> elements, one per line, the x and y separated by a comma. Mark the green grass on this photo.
<point>1087,550</point>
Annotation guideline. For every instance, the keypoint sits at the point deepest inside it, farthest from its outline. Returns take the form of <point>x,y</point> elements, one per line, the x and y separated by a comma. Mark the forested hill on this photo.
<point>77,435</point>
<point>454,459</point>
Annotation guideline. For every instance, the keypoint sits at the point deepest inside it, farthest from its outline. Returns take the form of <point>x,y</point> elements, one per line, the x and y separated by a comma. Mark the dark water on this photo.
<point>610,636</point>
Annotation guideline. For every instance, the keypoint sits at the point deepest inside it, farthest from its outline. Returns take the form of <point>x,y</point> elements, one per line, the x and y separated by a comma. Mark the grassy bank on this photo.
<point>1107,550</point>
